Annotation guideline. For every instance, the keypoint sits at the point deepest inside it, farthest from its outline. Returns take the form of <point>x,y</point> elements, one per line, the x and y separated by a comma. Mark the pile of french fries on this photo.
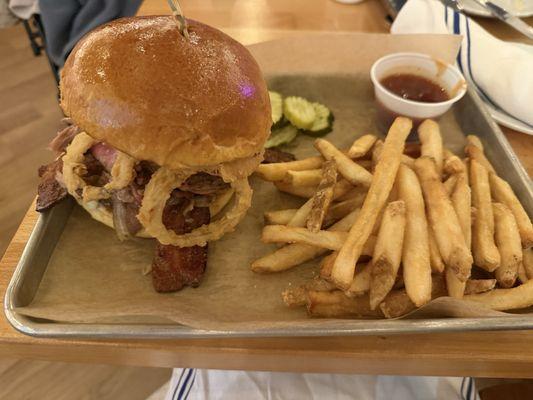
<point>398,225</point>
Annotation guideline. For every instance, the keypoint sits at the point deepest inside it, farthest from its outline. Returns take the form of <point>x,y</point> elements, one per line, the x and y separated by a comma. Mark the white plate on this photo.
<point>508,121</point>
<point>505,119</point>
<point>519,8</point>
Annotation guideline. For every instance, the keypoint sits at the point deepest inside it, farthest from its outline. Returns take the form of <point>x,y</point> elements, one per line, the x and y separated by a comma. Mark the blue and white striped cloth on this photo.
<point>500,71</point>
<point>201,384</point>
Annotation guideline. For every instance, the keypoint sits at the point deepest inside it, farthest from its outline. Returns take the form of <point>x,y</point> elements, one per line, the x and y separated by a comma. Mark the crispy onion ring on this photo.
<point>73,168</point>
<point>156,195</point>
<point>122,172</point>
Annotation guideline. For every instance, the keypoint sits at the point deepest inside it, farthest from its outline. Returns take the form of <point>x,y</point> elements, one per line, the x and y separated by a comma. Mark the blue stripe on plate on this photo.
<point>186,396</point>
<point>457,31</point>
<point>462,390</point>
<point>178,384</point>
<point>470,387</point>
<point>185,382</point>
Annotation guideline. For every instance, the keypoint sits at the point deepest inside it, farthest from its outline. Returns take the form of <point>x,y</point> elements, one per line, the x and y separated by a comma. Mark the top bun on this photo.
<point>140,86</point>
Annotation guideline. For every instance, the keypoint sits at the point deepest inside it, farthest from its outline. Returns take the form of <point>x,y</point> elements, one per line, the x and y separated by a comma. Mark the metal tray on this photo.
<point>472,117</point>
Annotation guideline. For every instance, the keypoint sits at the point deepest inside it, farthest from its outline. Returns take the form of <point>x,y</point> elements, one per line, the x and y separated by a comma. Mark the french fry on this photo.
<point>522,276</point>
<point>409,161</point>
<point>337,305</point>
<point>503,193</point>
<point>443,220</point>
<point>461,201</point>
<point>295,254</point>
<point>366,164</point>
<point>220,201</point>
<point>484,249</point>
<point>361,281</point>
<point>382,182</point>
<point>309,177</point>
<point>301,191</point>
<point>319,284</point>
<point>453,165</point>
<point>527,262</point>
<point>277,171</point>
<point>352,193</point>
<point>508,243</point>
<point>431,142</point>
<point>351,171</point>
<point>378,148</point>
<point>300,218</point>
<point>331,240</point>
<point>326,265</point>
<point>475,153</point>
<point>361,146</point>
<point>474,141</point>
<point>449,184</point>
<point>506,299</point>
<point>339,210</point>
<point>291,234</point>
<point>323,196</point>
<point>415,255</point>
<point>398,303</point>
<point>286,258</point>
<point>447,153</point>
<point>280,217</point>
<point>297,296</point>
<point>376,151</point>
<point>435,259</point>
<point>387,252</point>
<point>474,286</point>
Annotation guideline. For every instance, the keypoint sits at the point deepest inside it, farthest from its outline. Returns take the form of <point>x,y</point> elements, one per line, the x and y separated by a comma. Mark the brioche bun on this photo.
<point>140,86</point>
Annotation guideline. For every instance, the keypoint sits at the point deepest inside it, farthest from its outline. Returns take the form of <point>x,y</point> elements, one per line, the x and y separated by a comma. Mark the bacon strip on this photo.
<point>175,267</point>
<point>50,191</point>
<point>63,138</point>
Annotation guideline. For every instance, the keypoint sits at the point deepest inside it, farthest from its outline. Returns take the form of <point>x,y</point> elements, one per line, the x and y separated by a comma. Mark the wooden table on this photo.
<point>489,354</point>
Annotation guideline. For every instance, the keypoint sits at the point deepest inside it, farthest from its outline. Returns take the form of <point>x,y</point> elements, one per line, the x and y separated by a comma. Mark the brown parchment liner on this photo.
<point>92,277</point>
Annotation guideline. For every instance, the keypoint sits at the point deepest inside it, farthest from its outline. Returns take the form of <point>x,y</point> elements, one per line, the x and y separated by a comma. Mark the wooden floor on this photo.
<point>29,380</point>
<point>29,118</point>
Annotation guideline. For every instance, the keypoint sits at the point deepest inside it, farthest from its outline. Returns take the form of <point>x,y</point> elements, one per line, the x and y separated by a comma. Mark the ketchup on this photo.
<point>414,87</point>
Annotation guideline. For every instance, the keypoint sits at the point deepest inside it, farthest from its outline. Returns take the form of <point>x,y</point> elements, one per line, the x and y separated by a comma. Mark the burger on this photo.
<point>162,134</point>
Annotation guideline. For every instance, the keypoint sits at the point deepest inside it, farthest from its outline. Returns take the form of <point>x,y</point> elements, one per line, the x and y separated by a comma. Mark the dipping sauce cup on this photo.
<point>390,105</point>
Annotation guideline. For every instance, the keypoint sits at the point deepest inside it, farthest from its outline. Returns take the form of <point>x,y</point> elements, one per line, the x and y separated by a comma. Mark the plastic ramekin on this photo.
<point>391,105</point>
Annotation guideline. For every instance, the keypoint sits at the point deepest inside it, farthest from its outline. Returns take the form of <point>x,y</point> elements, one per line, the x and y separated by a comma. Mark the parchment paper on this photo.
<point>92,277</point>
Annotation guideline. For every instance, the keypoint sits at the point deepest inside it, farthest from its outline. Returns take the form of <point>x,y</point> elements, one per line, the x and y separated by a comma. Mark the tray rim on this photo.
<point>35,328</point>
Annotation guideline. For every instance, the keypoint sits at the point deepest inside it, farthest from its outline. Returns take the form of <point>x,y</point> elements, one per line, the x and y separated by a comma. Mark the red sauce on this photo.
<point>416,88</point>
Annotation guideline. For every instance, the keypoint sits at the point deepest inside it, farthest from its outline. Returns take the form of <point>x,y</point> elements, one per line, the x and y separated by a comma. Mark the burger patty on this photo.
<point>50,191</point>
<point>274,155</point>
<point>176,267</point>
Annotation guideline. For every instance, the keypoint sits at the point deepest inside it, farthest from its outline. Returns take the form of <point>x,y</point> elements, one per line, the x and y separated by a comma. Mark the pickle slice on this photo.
<point>299,112</point>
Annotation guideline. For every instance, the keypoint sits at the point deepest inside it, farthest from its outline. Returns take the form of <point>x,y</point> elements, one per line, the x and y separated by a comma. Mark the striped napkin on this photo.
<point>502,72</point>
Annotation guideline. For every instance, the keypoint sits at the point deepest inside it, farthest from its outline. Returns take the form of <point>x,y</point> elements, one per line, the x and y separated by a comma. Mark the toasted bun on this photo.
<point>140,86</point>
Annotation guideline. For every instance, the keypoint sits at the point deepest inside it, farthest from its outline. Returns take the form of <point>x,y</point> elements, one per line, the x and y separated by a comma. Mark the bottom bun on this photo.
<point>100,213</point>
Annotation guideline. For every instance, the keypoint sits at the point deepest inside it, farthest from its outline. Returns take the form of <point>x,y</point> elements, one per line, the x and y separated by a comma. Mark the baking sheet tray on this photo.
<point>471,117</point>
